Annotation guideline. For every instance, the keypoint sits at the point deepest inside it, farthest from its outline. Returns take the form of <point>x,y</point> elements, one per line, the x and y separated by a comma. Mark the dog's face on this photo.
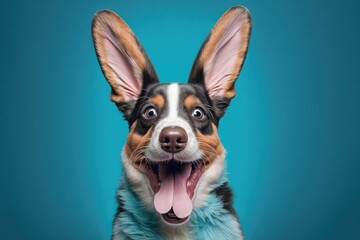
<point>173,155</point>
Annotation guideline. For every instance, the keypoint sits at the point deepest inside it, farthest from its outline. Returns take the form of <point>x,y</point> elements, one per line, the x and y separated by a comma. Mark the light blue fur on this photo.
<point>214,222</point>
<point>211,221</point>
<point>136,222</point>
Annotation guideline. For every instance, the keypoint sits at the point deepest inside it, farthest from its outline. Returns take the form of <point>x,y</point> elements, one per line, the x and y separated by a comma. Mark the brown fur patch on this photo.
<point>136,145</point>
<point>190,102</point>
<point>210,145</point>
<point>158,100</point>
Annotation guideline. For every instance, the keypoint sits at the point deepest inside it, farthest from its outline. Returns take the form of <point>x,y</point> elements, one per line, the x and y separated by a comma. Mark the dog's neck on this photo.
<point>216,219</point>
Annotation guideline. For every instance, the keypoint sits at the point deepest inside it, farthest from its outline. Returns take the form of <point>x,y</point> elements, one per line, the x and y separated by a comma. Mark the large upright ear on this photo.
<point>122,59</point>
<point>221,57</point>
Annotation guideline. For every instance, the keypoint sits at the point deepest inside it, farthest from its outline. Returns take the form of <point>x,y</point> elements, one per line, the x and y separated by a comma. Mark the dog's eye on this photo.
<point>150,113</point>
<point>198,114</point>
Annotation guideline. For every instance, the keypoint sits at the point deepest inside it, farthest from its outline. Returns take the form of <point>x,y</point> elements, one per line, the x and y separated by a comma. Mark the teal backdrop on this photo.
<point>292,133</point>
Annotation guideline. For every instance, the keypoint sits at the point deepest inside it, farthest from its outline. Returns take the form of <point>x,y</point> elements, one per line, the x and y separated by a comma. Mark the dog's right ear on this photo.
<point>221,57</point>
<point>122,59</point>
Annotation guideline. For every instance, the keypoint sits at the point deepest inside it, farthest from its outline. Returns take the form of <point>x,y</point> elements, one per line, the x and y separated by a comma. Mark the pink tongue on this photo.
<point>172,193</point>
<point>163,199</point>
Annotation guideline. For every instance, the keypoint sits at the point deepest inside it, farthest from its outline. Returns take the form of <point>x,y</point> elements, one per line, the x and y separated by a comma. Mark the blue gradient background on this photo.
<point>292,133</point>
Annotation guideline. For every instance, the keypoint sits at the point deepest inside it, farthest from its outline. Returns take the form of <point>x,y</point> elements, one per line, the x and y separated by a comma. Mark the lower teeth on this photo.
<point>171,215</point>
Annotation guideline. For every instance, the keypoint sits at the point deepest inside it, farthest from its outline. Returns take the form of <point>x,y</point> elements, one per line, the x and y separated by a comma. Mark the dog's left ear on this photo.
<point>221,57</point>
<point>123,61</point>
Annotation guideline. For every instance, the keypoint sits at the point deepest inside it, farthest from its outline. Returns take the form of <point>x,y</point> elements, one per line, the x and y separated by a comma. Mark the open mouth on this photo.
<point>174,183</point>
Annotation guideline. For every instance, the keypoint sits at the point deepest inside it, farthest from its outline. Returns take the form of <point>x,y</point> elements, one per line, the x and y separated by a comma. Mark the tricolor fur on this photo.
<point>174,184</point>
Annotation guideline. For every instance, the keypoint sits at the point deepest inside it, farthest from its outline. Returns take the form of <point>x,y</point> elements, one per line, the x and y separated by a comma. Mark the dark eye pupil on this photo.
<point>150,113</point>
<point>197,113</point>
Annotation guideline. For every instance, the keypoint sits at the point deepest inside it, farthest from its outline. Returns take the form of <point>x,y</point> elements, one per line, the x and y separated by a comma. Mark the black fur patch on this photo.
<point>141,126</point>
<point>197,91</point>
<point>226,195</point>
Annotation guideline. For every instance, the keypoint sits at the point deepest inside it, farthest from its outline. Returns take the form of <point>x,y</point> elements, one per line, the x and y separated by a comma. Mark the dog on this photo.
<point>174,184</point>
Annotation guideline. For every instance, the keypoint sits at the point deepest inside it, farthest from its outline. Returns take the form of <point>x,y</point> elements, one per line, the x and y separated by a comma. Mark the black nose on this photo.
<point>173,139</point>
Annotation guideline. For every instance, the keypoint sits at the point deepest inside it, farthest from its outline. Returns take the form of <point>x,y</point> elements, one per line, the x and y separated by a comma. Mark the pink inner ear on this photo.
<point>126,72</point>
<point>221,65</point>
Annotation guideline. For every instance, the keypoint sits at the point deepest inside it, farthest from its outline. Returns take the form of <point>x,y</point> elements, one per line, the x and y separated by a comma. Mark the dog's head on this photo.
<point>173,156</point>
